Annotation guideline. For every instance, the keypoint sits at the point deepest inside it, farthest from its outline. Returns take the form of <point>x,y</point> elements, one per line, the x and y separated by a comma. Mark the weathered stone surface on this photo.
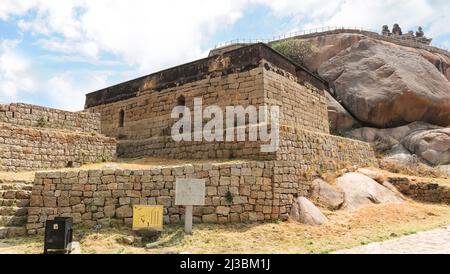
<point>361,190</point>
<point>410,144</point>
<point>326,195</point>
<point>379,83</point>
<point>431,145</point>
<point>305,212</point>
<point>124,212</point>
<point>340,119</point>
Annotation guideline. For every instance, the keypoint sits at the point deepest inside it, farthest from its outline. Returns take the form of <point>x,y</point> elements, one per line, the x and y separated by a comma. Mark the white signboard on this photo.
<point>190,192</point>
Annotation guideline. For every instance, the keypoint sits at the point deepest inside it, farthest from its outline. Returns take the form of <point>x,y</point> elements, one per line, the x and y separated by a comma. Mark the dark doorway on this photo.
<point>121,118</point>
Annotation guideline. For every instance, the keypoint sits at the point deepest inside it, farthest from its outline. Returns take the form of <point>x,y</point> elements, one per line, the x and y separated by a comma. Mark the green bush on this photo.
<point>295,49</point>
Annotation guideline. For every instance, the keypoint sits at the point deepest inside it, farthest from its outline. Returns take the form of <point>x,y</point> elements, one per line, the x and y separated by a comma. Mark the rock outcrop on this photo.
<point>410,144</point>
<point>340,119</point>
<point>305,212</point>
<point>383,84</point>
<point>360,190</point>
<point>431,145</point>
<point>326,195</point>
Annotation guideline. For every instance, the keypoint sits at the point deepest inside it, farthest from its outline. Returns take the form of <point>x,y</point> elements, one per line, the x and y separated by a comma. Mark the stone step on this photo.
<point>13,211</point>
<point>16,186</point>
<point>15,194</point>
<point>12,231</point>
<point>13,220</point>
<point>15,202</point>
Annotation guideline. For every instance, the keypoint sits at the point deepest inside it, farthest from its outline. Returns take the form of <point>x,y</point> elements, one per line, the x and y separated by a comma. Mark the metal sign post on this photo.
<point>188,193</point>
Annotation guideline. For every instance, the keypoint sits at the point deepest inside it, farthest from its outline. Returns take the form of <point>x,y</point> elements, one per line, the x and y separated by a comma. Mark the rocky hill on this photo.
<point>377,85</point>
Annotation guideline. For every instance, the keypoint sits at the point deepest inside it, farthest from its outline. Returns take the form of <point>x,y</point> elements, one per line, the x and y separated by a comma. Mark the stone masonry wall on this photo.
<point>304,154</point>
<point>302,105</point>
<point>106,196</point>
<point>148,115</point>
<point>26,148</point>
<point>26,115</point>
<point>261,190</point>
<point>421,191</point>
<point>165,147</point>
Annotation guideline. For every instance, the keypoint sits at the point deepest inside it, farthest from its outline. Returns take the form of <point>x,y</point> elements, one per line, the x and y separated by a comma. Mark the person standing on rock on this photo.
<point>420,33</point>
<point>386,30</point>
<point>397,30</point>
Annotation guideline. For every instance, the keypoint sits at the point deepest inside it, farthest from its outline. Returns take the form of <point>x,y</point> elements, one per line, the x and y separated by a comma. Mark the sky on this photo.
<point>53,52</point>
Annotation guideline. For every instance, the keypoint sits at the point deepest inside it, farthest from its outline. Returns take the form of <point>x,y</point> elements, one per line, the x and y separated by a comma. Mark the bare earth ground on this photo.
<point>345,230</point>
<point>429,242</point>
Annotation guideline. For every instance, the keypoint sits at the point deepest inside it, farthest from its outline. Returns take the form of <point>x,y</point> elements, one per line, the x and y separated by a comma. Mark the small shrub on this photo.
<point>229,197</point>
<point>295,49</point>
<point>41,122</point>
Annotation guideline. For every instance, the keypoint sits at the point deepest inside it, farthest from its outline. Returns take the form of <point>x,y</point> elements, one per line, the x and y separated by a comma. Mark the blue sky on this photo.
<point>52,52</point>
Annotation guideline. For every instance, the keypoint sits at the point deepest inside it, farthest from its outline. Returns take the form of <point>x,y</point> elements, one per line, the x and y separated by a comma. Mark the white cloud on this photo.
<point>16,74</point>
<point>149,34</point>
<point>157,34</point>
<point>434,16</point>
<point>152,35</point>
<point>66,91</point>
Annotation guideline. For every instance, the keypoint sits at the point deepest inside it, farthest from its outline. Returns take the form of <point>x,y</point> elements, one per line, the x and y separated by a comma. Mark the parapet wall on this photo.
<point>27,148</point>
<point>261,190</point>
<point>26,115</point>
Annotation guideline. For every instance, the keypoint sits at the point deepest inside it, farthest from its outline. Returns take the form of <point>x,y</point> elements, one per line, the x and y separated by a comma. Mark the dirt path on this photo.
<point>429,242</point>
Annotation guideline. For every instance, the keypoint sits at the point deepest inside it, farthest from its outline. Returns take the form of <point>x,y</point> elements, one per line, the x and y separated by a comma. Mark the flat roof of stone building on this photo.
<point>234,61</point>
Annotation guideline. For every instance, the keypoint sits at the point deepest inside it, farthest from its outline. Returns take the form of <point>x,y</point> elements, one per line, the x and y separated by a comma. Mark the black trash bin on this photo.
<point>58,235</point>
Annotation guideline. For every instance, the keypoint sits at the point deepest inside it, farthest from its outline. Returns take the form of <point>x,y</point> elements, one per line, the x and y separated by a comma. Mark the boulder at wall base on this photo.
<point>361,190</point>
<point>386,85</point>
<point>340,119</point>
<point>400,155</point>
<point>305,212</point>
<point>431,145</point>
<point>410,144</point>
<point>325,195</point>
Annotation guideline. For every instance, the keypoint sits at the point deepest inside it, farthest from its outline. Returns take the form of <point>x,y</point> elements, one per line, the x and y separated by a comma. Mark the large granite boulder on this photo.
<point>384,85</point>
<point>326,195</point>
<point>340,119</point>
<point>305,212</point>
<point>431,145</point>
<point>410,144</point>
<point>360,190</point>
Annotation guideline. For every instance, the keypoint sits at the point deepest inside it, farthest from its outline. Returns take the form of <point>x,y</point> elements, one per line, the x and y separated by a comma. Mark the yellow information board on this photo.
<point>147,217</point>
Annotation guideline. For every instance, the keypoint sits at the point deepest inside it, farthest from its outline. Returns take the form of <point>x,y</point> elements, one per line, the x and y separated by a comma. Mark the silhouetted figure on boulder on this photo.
<point>397,30</point>
<point>386,30</point>
<point>420,33</point>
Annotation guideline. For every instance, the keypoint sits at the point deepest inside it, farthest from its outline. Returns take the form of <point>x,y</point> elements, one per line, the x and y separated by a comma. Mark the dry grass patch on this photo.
<point>345,230</point>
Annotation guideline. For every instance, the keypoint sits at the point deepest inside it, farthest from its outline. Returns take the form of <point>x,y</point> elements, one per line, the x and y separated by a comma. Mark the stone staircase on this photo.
<point>14,200</point>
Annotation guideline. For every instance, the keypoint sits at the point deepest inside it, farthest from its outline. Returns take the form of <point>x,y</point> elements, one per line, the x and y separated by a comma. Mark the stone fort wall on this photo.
<point>34,137</point>
<point>26,148</point>
<point>148,115</point>
<point>147,123</point>
<point>260,190</point>
<point>263,186</point>
<point>27,115</point>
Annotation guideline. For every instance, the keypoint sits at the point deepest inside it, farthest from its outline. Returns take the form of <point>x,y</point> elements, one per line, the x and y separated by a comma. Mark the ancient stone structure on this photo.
<point>260,186</point>
<point>420,33</point>
<point>14,201</point>
<point>33,137</point>
<point>422,191</point>
<point>385,30</point>
<point>235,192</point>
<point>396,30</point>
